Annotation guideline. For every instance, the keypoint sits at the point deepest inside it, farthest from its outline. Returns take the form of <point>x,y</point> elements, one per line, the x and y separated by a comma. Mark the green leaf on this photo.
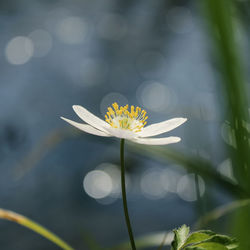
<point>198,237</point>
<point>202,240</point>
<point>180,237</point>
<point>228,242</point>
<point>222,239</point>
<point>207,246</point>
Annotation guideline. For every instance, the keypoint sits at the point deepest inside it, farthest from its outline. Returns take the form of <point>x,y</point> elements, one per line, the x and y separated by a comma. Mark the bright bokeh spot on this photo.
<point>151,185</point>
<point>154,96</point>
<point>42,42</point>
<point>169,180</point>
<point>19,50</point>
<point>72,30</point>
<point>226,169</point>
<point>97,184</point>
<point>228,134</point>
<point>114,172</point>
<point>186,188</point>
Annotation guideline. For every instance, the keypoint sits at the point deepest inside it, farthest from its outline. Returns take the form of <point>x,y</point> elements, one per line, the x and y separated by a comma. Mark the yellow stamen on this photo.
<point>120,117</point>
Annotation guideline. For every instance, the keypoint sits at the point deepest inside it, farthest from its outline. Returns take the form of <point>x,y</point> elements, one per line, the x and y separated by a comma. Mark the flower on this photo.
<point>125,124</point>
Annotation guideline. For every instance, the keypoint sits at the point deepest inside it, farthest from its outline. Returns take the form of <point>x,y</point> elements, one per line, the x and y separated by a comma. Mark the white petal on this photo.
<point>89,118</point>
<point>86,128</point>
<point>121,133</point>
<point>157,141</point>
<point>161,127</point>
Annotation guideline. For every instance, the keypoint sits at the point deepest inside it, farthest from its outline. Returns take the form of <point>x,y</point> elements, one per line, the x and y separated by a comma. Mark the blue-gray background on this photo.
<point>54,54</point>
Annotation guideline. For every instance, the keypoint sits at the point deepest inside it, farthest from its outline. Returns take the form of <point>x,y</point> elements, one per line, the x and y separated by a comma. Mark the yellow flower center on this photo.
<point>133,120</point>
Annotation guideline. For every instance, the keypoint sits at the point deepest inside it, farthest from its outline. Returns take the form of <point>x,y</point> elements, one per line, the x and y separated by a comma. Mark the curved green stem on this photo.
<point>124,197</point>
<point>20,219</point>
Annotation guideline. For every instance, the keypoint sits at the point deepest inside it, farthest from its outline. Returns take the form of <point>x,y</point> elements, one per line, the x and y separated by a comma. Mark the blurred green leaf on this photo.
<point>90,241</point>
<point>221,15</point>
<point>45,145</point>
<point>194,164</point>
<point>221,211</point>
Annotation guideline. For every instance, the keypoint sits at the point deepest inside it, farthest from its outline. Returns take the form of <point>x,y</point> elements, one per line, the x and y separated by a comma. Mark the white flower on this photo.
<point>122,123</point>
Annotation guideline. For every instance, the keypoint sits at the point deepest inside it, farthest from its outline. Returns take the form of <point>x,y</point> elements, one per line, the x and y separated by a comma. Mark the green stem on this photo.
<point>124,197</point>
<point>20,219</point>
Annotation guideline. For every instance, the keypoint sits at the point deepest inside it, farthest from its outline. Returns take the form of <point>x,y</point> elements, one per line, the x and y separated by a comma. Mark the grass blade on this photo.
<point>24,221</point>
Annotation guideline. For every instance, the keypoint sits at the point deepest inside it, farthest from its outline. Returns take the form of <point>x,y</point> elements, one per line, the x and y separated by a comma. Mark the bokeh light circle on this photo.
<point>151,185</point>
<point>114,172</point>
<point>186,187</point>
<point>72,30</point>
<point>19,50</point>
<point>169,180</point>
<point>154,96</point>
<point>97,184</point>
<point>226,169</point>
<point>228,134</point>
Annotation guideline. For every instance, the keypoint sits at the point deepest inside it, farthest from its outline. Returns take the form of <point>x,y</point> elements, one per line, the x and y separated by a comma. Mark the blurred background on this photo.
<point>173,58</point>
